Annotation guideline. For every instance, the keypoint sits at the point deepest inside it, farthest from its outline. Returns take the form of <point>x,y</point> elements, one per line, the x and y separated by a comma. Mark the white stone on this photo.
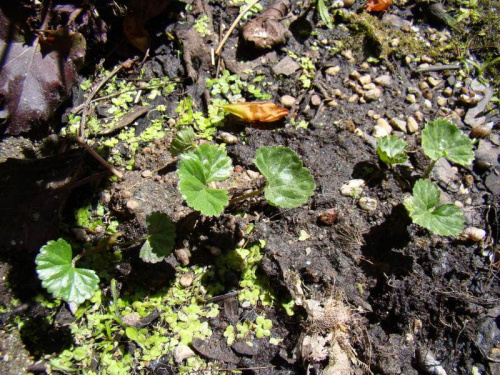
<point>411,124</point>
<point>368,204</point>
<point>373,94</point>
<point>333,70</point>
<point>399,124</point>
<point>352,188</point>
<point>384,80</point>
<point>379,131</point>
<point>287,100</point>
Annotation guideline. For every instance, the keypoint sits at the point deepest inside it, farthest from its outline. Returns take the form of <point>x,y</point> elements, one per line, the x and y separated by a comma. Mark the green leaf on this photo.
<point>197,169</point>
<point>289,184</point>
<point>323,13</point>
<point>445,220</point>
<point>390,149</point>
<point>443,138</point>
<point>161,238</point>
<point>59,275</point>
<point>183,141</point>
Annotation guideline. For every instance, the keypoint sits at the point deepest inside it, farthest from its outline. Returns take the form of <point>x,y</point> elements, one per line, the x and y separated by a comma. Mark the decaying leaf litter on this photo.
<point>371,292</point>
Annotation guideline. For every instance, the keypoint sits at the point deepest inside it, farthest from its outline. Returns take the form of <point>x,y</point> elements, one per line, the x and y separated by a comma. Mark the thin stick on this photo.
<point>98,157</point>
<point>233,25</point>
<point>437,68</point>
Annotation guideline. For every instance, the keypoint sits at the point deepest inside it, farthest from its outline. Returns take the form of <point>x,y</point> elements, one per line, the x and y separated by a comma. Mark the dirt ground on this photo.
<point>373,292</point>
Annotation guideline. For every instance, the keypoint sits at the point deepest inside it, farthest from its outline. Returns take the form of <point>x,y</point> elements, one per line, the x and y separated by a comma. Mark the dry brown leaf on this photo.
<point>257,111</point>
<point>133,28</point>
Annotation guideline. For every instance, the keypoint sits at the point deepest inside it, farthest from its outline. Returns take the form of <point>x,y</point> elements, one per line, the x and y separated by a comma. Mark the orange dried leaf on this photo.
<point>378,5</point>
<point>257,111</point>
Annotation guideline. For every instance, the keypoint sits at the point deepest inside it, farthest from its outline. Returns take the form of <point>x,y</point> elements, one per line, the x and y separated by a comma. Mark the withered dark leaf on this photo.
<point>266,31</point>
<point>33,84</point>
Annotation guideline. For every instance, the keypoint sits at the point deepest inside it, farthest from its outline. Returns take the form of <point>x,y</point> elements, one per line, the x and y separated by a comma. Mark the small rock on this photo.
<point>352,188</point>
<point>411,124</point>
<point>182,352</point>
<point>481,131</point>
<point>474,234</point>
<point>423,85</point>
<point>492,182</point>
<point>132,319</point>
<point>433,81</point>
<point>347,53</point>
<point>487,154</point>
<point>398,124</point>
<point>367,204</point>
<point>132,204</point>
<point>410,98</point>
<point>183,256</point>
<point>441,101</point>
<point>332,103</point>
<point>146,173</point>
<point>428,94</point>
<point>362,100</point>
<point>252,174</point>
<point>287,66</point>
<point>444,172</point>
<point>328,217</point>
<point>373,94</point>
<point>354,74</point>
<point>364,80</point>
<point>228,138</point>
<point>419,116</point>
<point>333,70</point>
<point>337,93</point>
<point>315,100</point>
<point>394,42</point>
<point>383,122</point>
<point>186,280</point>
<point>353,98</point>
<point>379,131</point>
<point>427,103</point>
<point>384,80</point>
<point>369,86</point>
<point>426,59</point>
<point>447,92</point>
<point>287,100</point>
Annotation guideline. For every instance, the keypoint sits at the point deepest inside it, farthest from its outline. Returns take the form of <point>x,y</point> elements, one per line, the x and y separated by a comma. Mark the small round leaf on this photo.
<point>60,277</point>
<point>161,238</point>
<point>289,183</point>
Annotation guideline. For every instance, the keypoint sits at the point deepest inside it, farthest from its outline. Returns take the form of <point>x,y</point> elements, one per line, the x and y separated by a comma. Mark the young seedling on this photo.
<point>183,141</point>
<point>161,238</point>
<point>57,269</point>
<point>445,220</point>
<point>442,138</point>
<point>390,150</point>
<point>288,183</point>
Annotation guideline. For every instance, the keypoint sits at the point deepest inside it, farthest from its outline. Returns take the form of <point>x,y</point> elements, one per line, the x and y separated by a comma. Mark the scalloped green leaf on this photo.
<point>289,184</point>
<point>183,141</point>
<point>197,169</point>
<point>442,138</point>
<point>390,149</point>
<point>445,220</point>
<point>161,238</point>
<point>59,275</point>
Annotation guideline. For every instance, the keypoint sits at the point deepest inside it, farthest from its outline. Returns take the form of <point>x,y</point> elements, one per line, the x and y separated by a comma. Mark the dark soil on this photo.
<point>415,302</point>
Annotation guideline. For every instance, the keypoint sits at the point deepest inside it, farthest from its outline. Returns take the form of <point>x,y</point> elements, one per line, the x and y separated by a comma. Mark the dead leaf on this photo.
<point>133,28</point>
<point>266,31</point>
<point>378,5</point>
<point>257,111</point>
<point>34,81</point>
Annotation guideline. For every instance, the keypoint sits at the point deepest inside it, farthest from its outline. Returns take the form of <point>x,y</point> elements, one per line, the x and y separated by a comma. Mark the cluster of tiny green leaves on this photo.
<point>440,138</point>
<point>232,87</point>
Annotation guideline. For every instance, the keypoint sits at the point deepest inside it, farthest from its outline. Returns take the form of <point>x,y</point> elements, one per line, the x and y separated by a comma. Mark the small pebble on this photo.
<point>353,98</point>
<point>352,188</point>
<point>347,53</point>
<point>369,86</point>
<point>433,81</point>
<point>412,125</point>
<point>132,319</point>
<point>186,280</point>
<point>428,94</point>
<point>354,74</point>
<point>441,101</point>
<point>423,85</point>
<point>379,131</point>
<point>469,180</point>
<point>146,173</point>
<point>183,256</point>
<point>384,80</point>
<point>182,352</point>
<point>410,98</point>
<point>447,92</point>
<point>474,234</point>
<point>287,100</point>
<point>132,204</point>
<point>337,93</point>
<point>332,103</point>
<point>419,116</point>
<point>373,94</point>
<point>426,59</point>
<point>394,42</point>
<point>368,204</point>
<point>364,80</point>
<point>333,70</point>
<point>228,138</point>
<point>427,103</point>
<point>315,100</point>
<point>399,124</point>
<point>328,217</point>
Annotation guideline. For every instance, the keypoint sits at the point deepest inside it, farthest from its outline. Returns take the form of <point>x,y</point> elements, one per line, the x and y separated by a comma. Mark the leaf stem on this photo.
<point>246,196</point>
<point>429,169</point>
